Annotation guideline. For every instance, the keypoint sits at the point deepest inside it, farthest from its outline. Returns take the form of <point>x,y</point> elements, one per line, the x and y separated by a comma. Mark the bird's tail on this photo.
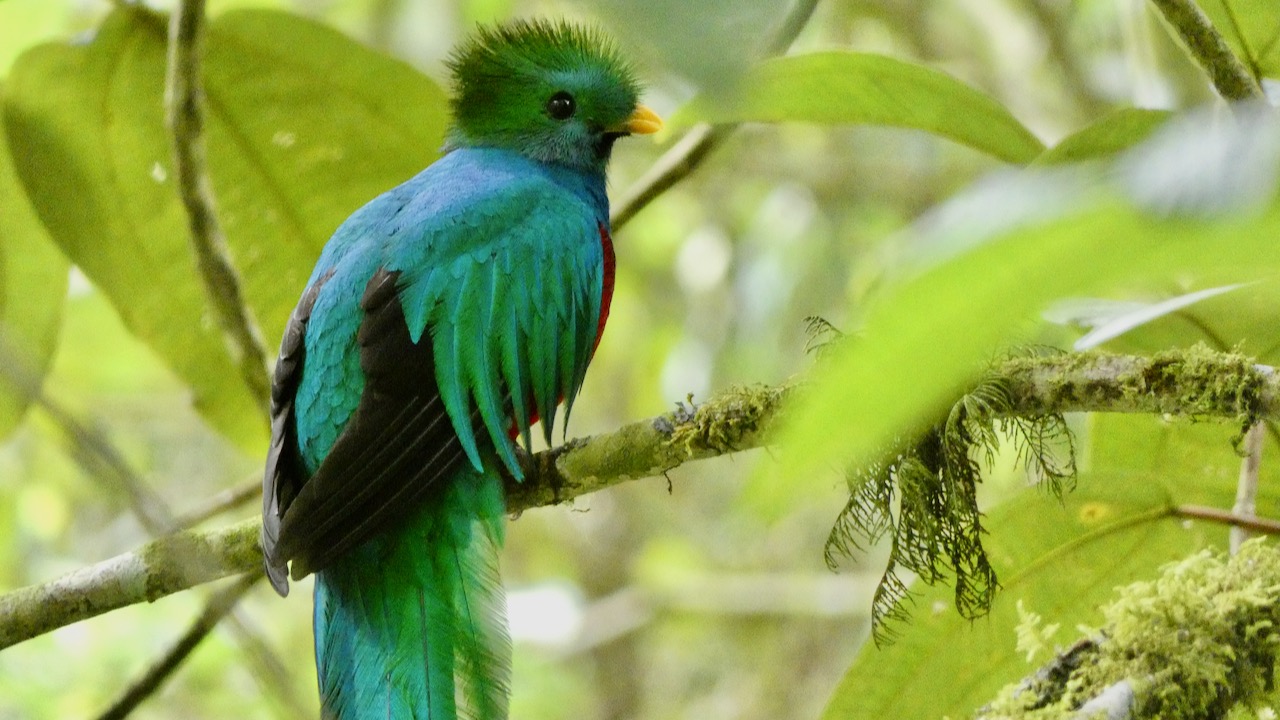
<point>412,625</point>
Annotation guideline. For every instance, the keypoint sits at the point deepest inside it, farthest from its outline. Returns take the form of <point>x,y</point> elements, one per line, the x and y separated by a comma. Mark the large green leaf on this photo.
<point>303,127</point>
<point>846,87</point>
<point>1196,202</point>
<point>1061,561</point>
<point>1018,244</point>
<point>33,288</point>
<point>1252,27</point>
<point>1117,131</point>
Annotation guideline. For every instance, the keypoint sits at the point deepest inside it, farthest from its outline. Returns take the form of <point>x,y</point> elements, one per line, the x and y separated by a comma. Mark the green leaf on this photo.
<point>1117,131</point>
<point>299,135</point>
<point>676,34</point>
<point>33,290</point>
<point>1109,326</point>
<point>1243,318</point>
<point>24,24</point>
<point>845,87</point>
<point>1016,245</point>
<point>1061,561</point>
<point>1252,28</point>
<point>1000,253</point>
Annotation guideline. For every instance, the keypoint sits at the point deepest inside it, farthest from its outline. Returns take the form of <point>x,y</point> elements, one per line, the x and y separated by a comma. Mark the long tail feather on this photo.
<point>412,625</point>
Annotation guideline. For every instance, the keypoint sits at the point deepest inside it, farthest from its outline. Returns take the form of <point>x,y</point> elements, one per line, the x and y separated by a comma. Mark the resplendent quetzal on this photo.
<point>443,319</point>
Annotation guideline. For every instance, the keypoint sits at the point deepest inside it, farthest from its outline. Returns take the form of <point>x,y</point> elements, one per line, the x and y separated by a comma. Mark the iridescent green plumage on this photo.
<point>440,318</point>
<point>526,64</point>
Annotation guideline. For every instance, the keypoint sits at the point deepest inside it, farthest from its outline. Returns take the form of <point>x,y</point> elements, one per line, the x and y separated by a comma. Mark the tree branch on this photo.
<point>149,573</point>
<point>1247,485</point>
<point>1229,76</point>
<point>734,420</point>
<point>223,501</point>
<point>1195,642</point>
<point>184,114</point>
<point>674,165</point>
<point>694,146</point>
<point>1252,523</point>
<point>98,456</point>
<point>1196,382</point>
<point>221,603</point>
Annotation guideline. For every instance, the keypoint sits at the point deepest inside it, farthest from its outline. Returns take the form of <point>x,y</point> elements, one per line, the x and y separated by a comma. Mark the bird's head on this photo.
<point>554,92</point>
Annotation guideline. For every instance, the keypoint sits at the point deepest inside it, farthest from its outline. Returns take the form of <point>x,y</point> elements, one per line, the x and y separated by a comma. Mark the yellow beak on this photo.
<point>642,122</point>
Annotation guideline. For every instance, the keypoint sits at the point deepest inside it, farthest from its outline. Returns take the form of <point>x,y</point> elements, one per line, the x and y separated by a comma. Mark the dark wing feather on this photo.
<point>491,312</point>
<point>397,448</point>
<point>284,474</point>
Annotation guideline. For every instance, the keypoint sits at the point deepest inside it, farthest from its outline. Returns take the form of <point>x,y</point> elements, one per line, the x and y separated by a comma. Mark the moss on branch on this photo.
<point>1195,382</point>
<point>922,492</point>
<point>1210,50</point>
<point>733,420</point>
<point>1195,643</point>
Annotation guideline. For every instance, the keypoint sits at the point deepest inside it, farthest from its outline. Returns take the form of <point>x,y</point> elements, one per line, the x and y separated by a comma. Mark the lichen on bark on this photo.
<point>1198,642</point>
<point>1195,382</point>
<point>729,421</point>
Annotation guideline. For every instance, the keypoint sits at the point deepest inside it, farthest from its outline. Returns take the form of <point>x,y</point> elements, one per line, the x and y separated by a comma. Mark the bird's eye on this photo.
<point>561,106</point>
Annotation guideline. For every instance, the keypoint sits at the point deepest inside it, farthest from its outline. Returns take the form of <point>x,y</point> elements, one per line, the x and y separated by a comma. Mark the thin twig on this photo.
<point>1076,78</point>
<point>185,119</point>
<point>790,27</point>
<point>184,115</point>
<point>99,458</point>
<point>1226,517</point>
<point>1229,76</point>
<point>694,146</point>
<point>227,500</point>
<point>89,446</point>
<point>1247,487</point>
<point>218,606</point>
<point>674,165</point>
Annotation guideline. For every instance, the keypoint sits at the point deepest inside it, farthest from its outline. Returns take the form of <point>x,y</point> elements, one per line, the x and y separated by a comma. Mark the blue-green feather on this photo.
<point>549,221</point>
<point>498,266</point>
<point>400,617</point>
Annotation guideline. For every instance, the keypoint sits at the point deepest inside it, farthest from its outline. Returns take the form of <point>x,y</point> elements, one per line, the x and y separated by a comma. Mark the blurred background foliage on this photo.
<point>708,597</point>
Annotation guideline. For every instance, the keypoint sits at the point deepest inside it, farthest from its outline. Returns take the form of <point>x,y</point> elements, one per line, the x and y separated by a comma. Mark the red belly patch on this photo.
<point>606,290</point>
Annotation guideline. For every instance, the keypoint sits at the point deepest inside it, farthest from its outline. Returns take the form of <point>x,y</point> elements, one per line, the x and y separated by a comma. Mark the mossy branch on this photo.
<point>1229,76</point>
<point>922,491</point>
<point>162,567</point>
<point>736,419</point>
<point>185,118</point>
<point>1194,643</point>
<point>1195,382</point>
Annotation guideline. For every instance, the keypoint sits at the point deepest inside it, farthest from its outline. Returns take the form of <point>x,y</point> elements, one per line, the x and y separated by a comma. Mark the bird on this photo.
<point>442,321</point>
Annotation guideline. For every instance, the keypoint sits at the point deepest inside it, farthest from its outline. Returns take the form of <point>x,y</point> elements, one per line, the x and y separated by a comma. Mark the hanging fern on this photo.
<point>923,496</point>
